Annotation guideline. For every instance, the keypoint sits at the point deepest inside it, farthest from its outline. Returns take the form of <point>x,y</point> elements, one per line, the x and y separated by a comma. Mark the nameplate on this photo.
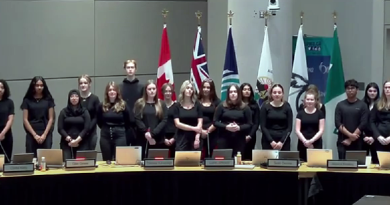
<point>159,162</point>
<point>342,164</point>
<point>77,163</point>
<point>19,168</point>
<point>285,163</point>
<point>219,163</point>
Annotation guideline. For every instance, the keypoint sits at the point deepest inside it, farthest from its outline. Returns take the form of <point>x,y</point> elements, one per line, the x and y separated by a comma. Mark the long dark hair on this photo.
<point>31,90</point>
<point>251,97</point>
<point>366,98</point>
<point>228,102</point>
<point>6,92</point>
<point>72,110</point>
<point>213,96</point>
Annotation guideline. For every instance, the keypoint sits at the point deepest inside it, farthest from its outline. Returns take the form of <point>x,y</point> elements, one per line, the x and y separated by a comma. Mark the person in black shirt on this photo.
<point>350,120</point>
<point>170,129</point>
<point>90,102</point>
<point>276,121</point>
<point>233,118</point>
<point>371,95</point>
<point>150,117</point>
<point>131,90</point>
<point>309,125</point>
<point>249,98</point>
<point>113,118</point>
<point>188,119</point>
<point>314,88</point>
<point>209,102</point>
<point>38,115</point>
<point>73,124</point>
<point>7,112</point>
<point>380,119</point>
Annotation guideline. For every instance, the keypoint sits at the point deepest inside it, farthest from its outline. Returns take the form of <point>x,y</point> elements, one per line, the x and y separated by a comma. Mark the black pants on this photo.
<point>130,136</point>
<point>71,152</point>
<point>32,145</point>
<point>249,146</point>
<point>372,149</point>
<point>237,144</point>
<point>354,146</point>
<point>110,138</point>
<point>267,145</point>
<point>7,145</point>
<point>91,140</point>
<point>185,142</point>
<point>171,147</point>
<point>303,150</point>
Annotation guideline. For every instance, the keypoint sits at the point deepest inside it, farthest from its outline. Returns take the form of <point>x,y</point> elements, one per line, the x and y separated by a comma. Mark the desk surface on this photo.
<point>303,170</point>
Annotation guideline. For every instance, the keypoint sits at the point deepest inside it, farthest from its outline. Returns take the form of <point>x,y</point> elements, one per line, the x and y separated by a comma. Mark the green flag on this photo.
<point>335,92</point>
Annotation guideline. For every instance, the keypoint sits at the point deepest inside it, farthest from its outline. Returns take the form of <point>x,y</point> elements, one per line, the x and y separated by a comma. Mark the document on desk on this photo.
<point>244,166</point>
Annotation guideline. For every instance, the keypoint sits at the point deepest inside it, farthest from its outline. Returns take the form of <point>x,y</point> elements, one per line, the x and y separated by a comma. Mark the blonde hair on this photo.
<point>139,105</point>
<point>382,102</point>
<point>130,61</point>
<point>316,98</point>
<point>86,77</point>
<point>119,105</point>
<point>183,89</point>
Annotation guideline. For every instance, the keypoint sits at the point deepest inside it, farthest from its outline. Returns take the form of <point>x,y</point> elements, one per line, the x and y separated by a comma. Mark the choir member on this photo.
<point>380,119</point>
<point>131,90</point>
<point>38,115</point>
<point>233,118</point>
<point>209,102</point>
<point>309,125</point>
<point>248,97</point>
<point>73,124</point>
<point>150,117</point>
<point>170,128</point>
<point>90,102</point>
<point>7,113</point>
<point>113,118</point>
<point>276,121</point>
<point>314,88</point>
<point>371,96</point>
<point>351,117</point>
<point>188,119</point>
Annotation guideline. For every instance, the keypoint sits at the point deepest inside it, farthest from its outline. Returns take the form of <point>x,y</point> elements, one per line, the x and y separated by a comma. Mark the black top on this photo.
<point>380,122</point>
<point>170,127</point>
<point>368,131</point>
<point>148,119</point>
<point>91,103</point>
<point>6,109</point>
<point>187,116</point>
<point>131,91</point>
<point>321,109</point>
<point>73,125</point>
<point>113,118</point>
<point>310,123</point>
<point>255,109</point>
<point>208,113</point>
<point>225,116</point>
<point>351,115</point>
<point>38,112</point>
<point>276,122</point>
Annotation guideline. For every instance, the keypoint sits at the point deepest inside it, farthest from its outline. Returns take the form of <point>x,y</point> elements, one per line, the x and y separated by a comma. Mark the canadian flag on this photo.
<point>164,71</point>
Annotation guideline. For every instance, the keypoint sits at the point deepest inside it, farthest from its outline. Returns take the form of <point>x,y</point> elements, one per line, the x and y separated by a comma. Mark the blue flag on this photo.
<point>230,70</point>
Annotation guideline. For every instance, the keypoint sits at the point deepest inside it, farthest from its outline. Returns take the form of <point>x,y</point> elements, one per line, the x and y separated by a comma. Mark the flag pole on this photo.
<point>164,13</point>
<point>230,16</point>
<point>266,14</point>
<point>302,17</point>
<point>198,15</point>
<point>335,18</point>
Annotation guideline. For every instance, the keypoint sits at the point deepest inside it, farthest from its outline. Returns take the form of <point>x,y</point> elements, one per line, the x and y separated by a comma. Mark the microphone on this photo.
<point>5,154</point>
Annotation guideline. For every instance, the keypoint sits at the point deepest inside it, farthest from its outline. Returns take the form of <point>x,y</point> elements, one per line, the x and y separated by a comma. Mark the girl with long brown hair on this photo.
<point>170,129</point>
<point>113,119</point>
<point>234,120</point>
<point>150,118</point>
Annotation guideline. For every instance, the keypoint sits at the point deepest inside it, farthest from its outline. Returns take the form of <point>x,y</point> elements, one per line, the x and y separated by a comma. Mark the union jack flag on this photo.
<point>199,70</point>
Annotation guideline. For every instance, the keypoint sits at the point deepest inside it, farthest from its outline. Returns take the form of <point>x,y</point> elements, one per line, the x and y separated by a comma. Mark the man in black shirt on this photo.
<point>131,90</point>
<point>350,118</point>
